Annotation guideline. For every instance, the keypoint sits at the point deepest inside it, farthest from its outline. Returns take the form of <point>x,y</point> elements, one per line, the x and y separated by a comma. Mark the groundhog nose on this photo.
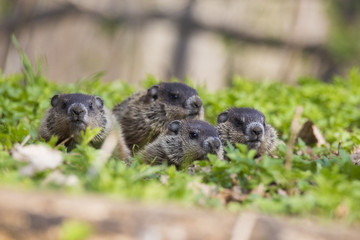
<point>196,103</point>
<point>193,103</point>
<point>214,144</point>
<point>77,111</point>
<point>256,130</point>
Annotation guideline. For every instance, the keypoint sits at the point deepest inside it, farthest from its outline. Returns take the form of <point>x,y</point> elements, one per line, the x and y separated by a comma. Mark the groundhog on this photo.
<point>71,114</point>
<point>247,126</point>
<point>146,114</point>
<point>184,142</point>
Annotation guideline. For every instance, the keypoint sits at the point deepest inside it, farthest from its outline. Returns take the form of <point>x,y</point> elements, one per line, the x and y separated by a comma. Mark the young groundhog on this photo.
<point>184,142</point>
<point>71,114</point>
<point>247,126</point>
<point>146,114</point>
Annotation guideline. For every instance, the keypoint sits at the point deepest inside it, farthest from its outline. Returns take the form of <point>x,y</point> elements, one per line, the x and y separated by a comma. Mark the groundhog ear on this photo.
<point>54,100</point>
<point>99,102</point>
<point>223,117</point>
<point>153,92</point>
<point>174,126</point>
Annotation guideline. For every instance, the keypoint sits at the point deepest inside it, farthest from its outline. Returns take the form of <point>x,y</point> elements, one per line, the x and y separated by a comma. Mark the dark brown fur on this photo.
<point>179,145</point>
<point>237,125</point>
<point>61,121</point>
<point>146,114</point>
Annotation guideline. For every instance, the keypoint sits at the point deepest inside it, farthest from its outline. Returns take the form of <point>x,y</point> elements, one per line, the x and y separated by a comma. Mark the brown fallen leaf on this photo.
<point>39,157</point>
<point>311,134</point>
<point>231,195</point>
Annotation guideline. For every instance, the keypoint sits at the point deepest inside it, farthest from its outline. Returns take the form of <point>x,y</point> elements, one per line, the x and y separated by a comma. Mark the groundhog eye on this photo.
<point>193,135</point>
<point>174,96</point>
<point>63,106</point>
<point>238,122</point>
<point>91,106</point>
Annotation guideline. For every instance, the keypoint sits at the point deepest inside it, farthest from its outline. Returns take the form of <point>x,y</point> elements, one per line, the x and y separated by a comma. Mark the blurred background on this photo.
<point>208,41</point>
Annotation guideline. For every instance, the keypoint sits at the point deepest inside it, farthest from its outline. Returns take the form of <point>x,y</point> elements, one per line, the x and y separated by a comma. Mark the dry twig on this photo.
<point>295,127</point>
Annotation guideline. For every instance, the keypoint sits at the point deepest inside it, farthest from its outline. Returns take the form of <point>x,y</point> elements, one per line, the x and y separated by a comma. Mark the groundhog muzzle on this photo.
<point>247,126</point>
<point>70,114</point>
<point>146,114</point>
<point>184,142</point>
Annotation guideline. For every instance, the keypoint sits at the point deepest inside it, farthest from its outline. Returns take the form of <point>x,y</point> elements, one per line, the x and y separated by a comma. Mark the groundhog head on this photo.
<point>73,113</point>
<point>242,125</point>
<point>194,140</point>
<point>181,101</point>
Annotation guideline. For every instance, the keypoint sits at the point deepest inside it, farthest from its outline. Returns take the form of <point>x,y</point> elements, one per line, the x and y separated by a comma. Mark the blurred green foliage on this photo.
<point>6,8</point>
<point>75,230</point>
<point>343,42</point>
<point>319,183</point>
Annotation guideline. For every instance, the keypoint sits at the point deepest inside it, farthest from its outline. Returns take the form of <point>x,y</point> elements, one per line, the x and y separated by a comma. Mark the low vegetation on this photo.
<point>319,181</point>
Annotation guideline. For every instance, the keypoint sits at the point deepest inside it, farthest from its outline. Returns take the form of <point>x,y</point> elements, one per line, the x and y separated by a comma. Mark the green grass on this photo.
<point>319,184</point>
